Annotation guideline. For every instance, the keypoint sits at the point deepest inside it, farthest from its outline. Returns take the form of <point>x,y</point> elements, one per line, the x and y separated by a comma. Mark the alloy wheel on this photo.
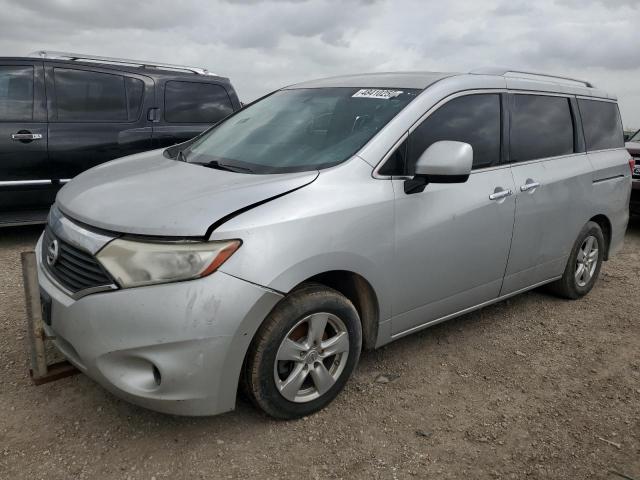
<point>311,357</point>
<point>587,261</point>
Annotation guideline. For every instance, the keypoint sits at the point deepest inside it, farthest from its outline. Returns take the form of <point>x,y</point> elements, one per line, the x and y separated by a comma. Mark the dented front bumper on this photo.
<point>176,348</point>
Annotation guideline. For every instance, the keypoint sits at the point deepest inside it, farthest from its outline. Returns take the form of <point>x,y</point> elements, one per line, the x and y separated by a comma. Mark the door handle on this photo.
<point>22,136</point>
<point>500,194</point>
<point>530,185</point>
<point>153,115</point>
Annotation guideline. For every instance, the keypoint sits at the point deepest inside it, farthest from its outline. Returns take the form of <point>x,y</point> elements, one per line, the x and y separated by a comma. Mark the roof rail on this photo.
<point>118,61</point>
<point>506,71</point>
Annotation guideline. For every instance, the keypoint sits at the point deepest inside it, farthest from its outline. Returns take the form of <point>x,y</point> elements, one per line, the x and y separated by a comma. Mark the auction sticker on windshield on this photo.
<point>376,93</point>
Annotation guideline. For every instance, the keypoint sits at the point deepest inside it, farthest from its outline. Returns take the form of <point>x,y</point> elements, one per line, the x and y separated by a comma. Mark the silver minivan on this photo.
<point>327,217</point>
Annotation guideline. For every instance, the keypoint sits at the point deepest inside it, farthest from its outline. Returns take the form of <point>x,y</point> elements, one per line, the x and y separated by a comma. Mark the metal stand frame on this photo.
<point>41,371</point>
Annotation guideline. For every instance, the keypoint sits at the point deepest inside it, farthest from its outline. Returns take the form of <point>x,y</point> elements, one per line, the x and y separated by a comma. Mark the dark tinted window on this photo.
<point>189,102</point>
<point>395,164</point>
<point>135,89</point>
<point>474,119</point>
<point>541,126</point>
<point>16,93</point>
<point>602,124</point>
<point>90,96</point>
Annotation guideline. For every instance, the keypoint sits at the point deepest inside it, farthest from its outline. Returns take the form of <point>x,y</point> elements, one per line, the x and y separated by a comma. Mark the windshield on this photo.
<point>636,137</point>
<point>298,130</point>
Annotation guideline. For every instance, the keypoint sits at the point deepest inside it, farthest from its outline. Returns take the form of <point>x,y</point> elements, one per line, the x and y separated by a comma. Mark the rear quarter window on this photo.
<point>602,124</point>
<point>191,102</point>
<point>135,94</point>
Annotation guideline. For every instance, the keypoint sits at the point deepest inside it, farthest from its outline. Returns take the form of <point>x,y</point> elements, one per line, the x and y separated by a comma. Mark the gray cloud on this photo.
<point>613,4</point>
<point>601,45</point>
<point>265,25</point>
<point>90,14</point>
<point>262,45</point>
<point>514,8</point>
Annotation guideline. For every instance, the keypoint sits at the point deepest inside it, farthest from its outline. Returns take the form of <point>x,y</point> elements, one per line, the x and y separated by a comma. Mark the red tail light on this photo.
<point>632,163</point>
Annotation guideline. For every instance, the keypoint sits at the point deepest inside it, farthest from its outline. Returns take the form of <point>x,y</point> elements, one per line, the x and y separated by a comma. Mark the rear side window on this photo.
<point>90,96</point>
<point>602,124</point>
<point>135,93</point>
<point>541,127</point>
<point>474,119</point>
<point>16,93</point>
<point>190,102</point>
<point>98,97</point>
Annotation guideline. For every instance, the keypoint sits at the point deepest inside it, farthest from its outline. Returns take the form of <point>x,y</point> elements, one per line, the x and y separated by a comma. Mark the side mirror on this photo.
<point>443,162</point>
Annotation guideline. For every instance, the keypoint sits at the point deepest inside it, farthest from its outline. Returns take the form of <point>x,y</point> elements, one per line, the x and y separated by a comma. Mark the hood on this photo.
<point>148,194</point>
<point>633,147</point>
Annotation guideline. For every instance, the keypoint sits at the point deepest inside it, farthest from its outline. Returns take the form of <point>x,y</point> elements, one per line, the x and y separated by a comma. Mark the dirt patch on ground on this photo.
<point>534,387</point>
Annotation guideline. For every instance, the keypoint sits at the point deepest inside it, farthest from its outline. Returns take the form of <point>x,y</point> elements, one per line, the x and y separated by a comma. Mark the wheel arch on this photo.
<point>356,289</point>
<point>605,225</point>
<point>359,292</point>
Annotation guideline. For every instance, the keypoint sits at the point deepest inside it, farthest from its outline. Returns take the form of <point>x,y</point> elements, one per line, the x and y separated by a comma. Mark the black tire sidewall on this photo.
<point>293,308</point>
<point>574,290</point>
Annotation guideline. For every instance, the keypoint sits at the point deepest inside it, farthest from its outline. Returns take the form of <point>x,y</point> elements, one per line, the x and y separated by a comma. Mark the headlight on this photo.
<point>134,263</point>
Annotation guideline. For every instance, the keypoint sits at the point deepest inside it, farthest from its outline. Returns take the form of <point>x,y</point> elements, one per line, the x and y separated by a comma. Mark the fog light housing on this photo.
<point>156,375</point>
<point>130,373</point>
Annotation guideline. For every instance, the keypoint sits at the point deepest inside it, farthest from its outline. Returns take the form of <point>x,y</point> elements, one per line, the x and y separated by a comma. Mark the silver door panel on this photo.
<point>548,217</point>
<point>418,317</point>
<point>452,244</point>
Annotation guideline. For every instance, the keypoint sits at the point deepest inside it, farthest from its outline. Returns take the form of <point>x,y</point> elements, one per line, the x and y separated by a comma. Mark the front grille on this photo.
<point>75,269</point>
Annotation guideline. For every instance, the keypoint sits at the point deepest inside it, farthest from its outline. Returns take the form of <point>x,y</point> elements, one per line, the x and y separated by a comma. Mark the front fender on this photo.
<point>342,221</point>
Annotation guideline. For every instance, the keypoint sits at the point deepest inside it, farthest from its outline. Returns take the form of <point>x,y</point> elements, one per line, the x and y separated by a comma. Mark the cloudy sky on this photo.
<point>262,45</point>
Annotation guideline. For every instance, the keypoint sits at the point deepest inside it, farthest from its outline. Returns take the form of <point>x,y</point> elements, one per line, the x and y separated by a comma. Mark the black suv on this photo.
<point>62,113</point>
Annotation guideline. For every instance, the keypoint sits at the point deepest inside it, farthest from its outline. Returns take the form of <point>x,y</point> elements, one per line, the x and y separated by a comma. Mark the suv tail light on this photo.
<point>632,163</point>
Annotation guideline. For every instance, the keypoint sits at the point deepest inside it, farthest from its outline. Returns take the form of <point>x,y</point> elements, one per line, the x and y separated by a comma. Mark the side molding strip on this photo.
<point>469,309</point>
<point>606,179</point>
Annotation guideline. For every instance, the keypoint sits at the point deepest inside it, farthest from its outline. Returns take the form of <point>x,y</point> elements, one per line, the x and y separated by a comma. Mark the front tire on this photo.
<point>304,352</point>
<point>584,264</point>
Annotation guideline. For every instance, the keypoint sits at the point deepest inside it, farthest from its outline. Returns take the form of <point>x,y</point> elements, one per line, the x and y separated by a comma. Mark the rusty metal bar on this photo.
<point>40,371</point>
<point>56,371</point>
<point>35,331</point>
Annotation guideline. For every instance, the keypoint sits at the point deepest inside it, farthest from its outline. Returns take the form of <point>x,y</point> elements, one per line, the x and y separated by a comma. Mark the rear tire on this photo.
<point>304,352</point>
<point>584,264</point>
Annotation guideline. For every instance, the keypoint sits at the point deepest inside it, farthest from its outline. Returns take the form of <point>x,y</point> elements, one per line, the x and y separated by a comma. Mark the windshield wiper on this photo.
<point>224,166</point>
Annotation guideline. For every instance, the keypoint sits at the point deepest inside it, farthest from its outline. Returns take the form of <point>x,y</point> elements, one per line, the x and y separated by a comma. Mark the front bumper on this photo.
<point>175,348</point>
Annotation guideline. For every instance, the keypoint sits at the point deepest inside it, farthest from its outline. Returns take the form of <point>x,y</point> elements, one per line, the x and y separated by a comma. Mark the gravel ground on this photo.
<point>533,387</point>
